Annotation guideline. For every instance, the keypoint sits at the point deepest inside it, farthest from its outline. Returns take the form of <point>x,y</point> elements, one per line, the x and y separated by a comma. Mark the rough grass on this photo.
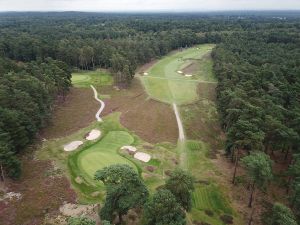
<point>151,120</point>
<point>41,194</point>
<point>84,79</point>
<point>75,113</point>
<point>207,194</point>
<point>165,84</point>
<point>201,122</point>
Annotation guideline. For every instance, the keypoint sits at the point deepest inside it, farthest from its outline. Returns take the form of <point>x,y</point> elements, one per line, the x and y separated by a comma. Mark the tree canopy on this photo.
<point>181,185</point>
<point>281,215</point>
<point>163,209</point>
<point>124,190</point>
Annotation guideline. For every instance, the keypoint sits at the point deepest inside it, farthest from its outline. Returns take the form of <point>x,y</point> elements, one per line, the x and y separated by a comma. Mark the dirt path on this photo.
<point>181,144</point>
<point>101,102</point>
<point>179,122</point>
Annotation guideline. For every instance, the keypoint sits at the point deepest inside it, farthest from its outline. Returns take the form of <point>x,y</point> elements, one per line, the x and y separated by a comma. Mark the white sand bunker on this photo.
<point>180,72</point>
<point>93,135</point>
<point>72,146</point>
<point>146,74</point>
<point>142,156</point>
<point>188,75</point>
<point>129,148</point>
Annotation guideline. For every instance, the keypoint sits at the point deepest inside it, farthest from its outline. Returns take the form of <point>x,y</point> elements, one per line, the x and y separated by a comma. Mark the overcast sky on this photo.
<point>146,5</point>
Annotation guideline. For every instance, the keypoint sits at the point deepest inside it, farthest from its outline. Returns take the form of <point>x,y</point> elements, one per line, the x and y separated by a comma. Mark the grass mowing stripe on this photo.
<point>209,197</point>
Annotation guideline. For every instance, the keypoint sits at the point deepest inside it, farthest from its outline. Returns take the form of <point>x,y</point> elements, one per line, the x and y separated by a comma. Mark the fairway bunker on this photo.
<point>72,146</point>
<point>93,135</point>
<point>144,157</point>
<point>146,74</point>
<point>129,148</point>
<point>188,75</point>
<point>180,72</point>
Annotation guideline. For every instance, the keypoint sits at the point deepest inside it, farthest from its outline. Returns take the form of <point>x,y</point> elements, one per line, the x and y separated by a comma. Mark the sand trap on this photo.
<point>146,74</point>
<point>72,146</point>
<point>188,75</point>
<point>180,72</point>
<point>129,148</point>
<point>142,156</point>
<point>93,135</point>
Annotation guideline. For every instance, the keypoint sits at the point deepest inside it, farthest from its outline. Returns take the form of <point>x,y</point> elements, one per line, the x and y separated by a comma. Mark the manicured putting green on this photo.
<point>104,153</point>
<point>84,79</point>
<point>165,84</point>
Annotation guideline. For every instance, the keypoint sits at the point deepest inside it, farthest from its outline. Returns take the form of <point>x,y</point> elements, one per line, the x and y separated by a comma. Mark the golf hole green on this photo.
<point>104,153</point>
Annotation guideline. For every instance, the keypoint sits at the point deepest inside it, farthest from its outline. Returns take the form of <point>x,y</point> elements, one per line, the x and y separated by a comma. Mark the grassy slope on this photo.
<point>165,84</point>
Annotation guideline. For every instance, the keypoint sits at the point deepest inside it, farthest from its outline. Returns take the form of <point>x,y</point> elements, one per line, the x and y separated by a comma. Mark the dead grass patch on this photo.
<point>75,113</point>
<point>42,194</point>
<point>151,120</point>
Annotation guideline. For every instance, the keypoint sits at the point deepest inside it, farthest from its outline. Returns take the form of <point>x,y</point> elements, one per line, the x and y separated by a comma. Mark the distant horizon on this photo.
<point>146,5</point>
<point>154,11</point>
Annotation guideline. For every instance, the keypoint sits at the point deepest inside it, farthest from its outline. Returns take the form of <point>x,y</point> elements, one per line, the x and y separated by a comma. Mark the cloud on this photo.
<point>145,5</point>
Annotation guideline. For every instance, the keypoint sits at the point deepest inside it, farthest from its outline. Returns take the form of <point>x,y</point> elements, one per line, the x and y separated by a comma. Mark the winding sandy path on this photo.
<point>179,122</point>
<point>181,145</point>
<point>101,103</point>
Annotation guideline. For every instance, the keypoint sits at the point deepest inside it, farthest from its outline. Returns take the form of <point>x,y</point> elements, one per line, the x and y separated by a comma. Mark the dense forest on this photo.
<point>27,91</point>
<point>259,98</point>
<point>256,61</point>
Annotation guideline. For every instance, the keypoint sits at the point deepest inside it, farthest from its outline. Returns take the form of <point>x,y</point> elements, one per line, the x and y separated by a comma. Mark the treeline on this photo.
<point>258,98</point>
<point>27,91</point>
<point>120,42</point>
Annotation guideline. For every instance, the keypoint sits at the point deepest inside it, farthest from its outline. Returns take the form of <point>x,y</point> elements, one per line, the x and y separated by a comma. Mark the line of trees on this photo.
<point>118,42</point>
<point>259,104</point>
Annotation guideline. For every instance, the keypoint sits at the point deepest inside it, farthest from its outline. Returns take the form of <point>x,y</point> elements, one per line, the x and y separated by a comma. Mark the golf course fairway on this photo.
<point>167,84</point>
